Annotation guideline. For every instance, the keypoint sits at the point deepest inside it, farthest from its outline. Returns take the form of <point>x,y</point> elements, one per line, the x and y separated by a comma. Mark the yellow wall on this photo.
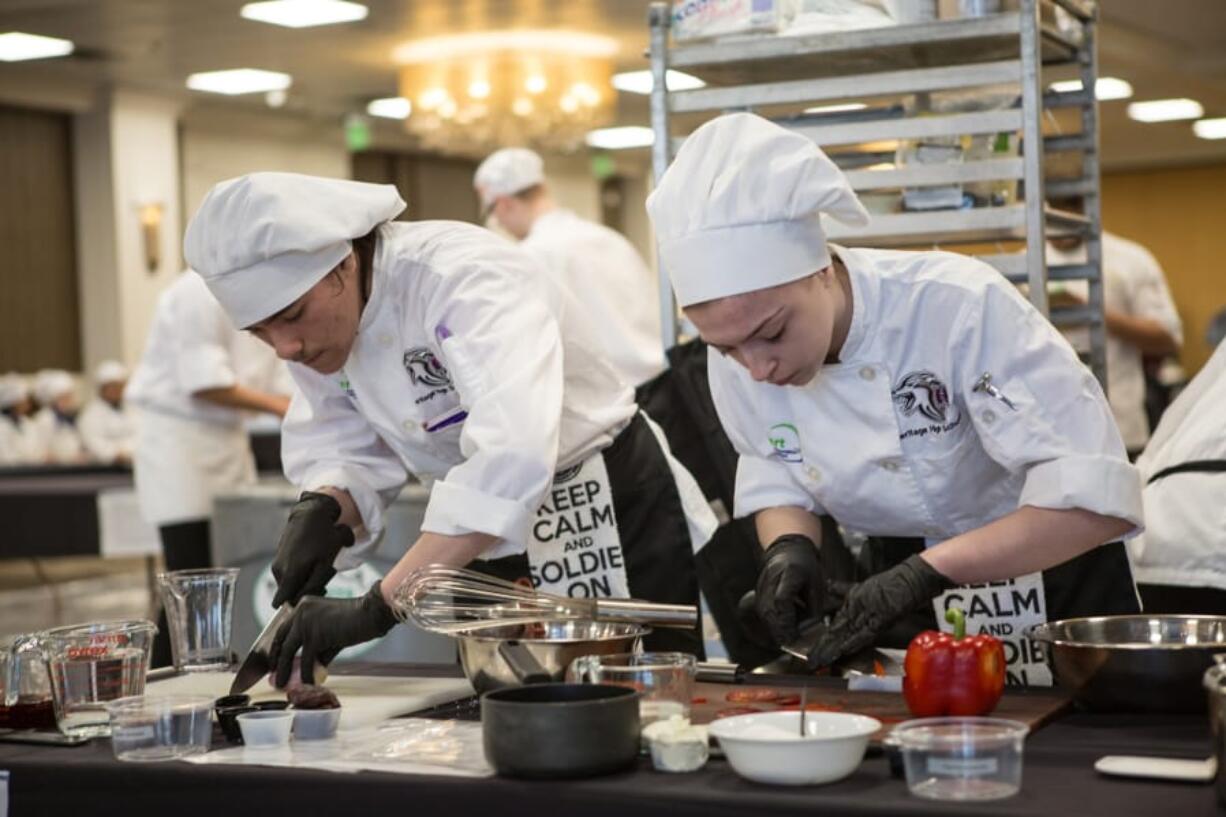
<point>1180,216</point>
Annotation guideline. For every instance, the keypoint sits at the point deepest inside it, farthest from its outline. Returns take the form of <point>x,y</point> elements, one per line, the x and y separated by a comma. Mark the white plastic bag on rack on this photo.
<point>704,19</point>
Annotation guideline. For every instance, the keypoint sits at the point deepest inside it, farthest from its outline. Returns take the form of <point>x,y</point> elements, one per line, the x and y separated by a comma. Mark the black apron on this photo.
<point>651,523</point>
<point>1096,583</point>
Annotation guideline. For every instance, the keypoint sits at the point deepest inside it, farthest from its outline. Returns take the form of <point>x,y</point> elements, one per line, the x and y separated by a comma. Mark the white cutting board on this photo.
<point>365,700</point>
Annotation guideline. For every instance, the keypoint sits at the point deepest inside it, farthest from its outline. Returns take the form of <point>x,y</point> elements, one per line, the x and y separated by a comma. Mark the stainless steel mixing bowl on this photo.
<point>553,644</point>
<point>1137,663</point>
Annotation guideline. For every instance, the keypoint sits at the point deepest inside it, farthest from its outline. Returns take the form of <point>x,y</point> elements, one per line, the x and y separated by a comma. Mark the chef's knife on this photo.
<point>256,665</point>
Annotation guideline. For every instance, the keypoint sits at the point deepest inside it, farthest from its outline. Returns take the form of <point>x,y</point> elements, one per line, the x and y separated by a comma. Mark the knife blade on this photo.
<point>256,665</point>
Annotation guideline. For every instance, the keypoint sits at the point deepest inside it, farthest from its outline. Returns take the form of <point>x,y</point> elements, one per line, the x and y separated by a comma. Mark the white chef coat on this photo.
<point>188,449</point>
<point>1184,542</point>
<point>618,290</point>
<point>17,443</point>
<point>1133,284</point>
<point>55,441</point>
<point>460,334</point>
<point>894,440</point>
<point>106,431</point>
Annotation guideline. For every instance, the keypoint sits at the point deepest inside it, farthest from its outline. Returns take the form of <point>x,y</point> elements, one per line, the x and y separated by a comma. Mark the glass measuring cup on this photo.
<point>200,613</point>
<point>25,689</point>
<point>90,664</point>
<point>664,680</point>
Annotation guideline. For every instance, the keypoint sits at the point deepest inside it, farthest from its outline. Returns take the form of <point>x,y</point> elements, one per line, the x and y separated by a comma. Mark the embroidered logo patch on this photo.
<point>922,393</point>
<point>425,369</point>
<point>347,388</point>
<point>785,439</point>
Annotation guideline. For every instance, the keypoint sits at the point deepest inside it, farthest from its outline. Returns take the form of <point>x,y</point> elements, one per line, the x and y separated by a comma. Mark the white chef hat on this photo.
<point>740,209</point>
<point>507,172</point>
<point>13,390</point>
<point>262,240</point>
<point>52,383</point>
<point>110,371</point>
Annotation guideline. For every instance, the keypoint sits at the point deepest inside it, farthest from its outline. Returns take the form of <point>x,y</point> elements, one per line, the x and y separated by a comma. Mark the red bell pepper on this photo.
<point>953,674</point>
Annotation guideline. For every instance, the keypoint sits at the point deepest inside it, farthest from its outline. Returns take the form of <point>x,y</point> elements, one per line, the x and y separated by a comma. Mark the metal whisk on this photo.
<point>448,600</point>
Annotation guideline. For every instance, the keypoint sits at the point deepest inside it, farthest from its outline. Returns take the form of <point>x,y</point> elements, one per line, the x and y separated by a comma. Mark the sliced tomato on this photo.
<point>751,695</point>
<point>698,700</point>
<point>732,711</point>
<point>788,700</point>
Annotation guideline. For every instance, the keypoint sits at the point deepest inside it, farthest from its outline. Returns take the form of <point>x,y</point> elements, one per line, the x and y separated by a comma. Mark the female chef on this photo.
<point>430,349</point>
<point>916,397</point>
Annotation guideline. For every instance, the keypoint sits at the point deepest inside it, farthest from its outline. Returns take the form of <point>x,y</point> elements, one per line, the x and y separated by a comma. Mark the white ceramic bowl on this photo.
<point>315,724</point>
<point>266,729</point>
<point>767,747</point>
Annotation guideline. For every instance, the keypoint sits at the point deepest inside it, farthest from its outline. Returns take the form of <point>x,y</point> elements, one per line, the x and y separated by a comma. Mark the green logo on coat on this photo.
<point>785,439</point>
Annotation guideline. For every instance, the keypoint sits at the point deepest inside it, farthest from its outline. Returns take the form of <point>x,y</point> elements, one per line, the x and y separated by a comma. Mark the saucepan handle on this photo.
<point>523,663</point>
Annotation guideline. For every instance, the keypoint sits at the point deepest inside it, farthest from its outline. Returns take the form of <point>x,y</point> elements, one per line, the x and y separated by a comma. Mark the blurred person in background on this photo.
<point>595,263</point>
<point>197,378</point>
<point>17,443</point>
<point>56,438</point>
<point>1180,559</point>
<point>1141,323</point>
<point>105,423</point>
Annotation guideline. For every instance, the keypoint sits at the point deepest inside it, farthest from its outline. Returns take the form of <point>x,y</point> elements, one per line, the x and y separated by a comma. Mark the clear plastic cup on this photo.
<point>200,612</point>
<point>962,758</point>
<point>266,729</point>
<point>163,727</point>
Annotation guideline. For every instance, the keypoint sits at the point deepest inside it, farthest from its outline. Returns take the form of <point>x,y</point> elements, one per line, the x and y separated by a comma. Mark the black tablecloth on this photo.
<point>53,512</point>
<point>1059,779</point>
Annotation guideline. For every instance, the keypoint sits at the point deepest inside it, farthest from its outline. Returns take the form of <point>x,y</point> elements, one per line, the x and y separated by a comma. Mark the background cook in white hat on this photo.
<point>56,439</point>
<point>430,348</point>
<point>850,383</point>
<point>17,443</point>
<point>106,425</point>
<point>597,264</point>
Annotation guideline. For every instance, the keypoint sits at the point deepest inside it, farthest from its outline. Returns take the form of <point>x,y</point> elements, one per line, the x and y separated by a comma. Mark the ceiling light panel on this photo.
<point>1165,110</point>
<point>16,46</point>
<point>1210,128</point>
<point>641,82</point>
<point>239,81</point>
<point>392,107</point>
<point>304,13</point>
<point>633,136</point>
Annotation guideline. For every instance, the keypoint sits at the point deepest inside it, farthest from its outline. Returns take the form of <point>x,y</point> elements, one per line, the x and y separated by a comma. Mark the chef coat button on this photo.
<point>409,425</point>
<point>813,473</point>
<point>385,340</point>
<point>889,465</point>
<point>868,372</point>
<point>988,416</point>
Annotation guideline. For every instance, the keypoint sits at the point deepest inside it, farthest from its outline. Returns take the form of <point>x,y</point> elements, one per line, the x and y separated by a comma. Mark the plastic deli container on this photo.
<point>962,758</point>
<point>160,727</point>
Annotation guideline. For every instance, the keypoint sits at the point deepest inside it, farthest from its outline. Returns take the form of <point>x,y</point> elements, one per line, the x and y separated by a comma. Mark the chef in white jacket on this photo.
<point>1181,557</point>
<point>56,438</point>
<point>598,264</point>
<point>17,446</point>
<point>916,397</point>
<point>197,380</point>
<point>434,349</point>
<point>105,423</point>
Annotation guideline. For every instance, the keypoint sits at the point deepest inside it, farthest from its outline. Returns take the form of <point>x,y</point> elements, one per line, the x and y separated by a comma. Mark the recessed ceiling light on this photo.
<point>641,82</point>
<point>1165,110</point>
<point>632,136</point>
<point>847,106</point>
<point>1210,128</point>
<point>16,46</point>
<point>1105,88</point>
<point>481,43</point>
<point>392,107</point>
<point>239,81</point>
<point>304,13</point>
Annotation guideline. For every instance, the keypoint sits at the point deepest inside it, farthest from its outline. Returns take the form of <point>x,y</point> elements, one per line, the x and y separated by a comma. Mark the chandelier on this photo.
<point>473,92</point>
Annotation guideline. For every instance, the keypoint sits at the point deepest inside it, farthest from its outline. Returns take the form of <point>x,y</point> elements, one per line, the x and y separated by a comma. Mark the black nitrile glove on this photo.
<point>322,627</point>
<point>790,586</point>
<point>309,544</point>
<point>872,605</point>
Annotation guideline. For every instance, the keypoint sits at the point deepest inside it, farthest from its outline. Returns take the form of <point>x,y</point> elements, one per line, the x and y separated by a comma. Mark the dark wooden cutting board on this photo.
<point>1033,707</point>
